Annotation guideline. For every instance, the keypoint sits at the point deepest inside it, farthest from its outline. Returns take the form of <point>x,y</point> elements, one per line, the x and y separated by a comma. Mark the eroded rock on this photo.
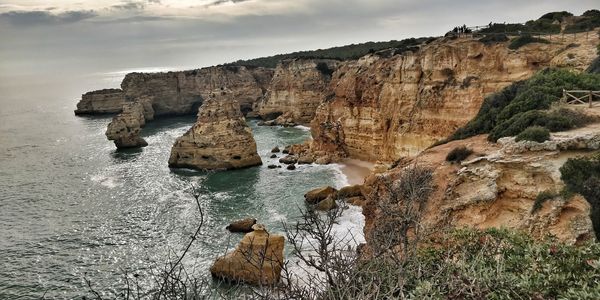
<point>320,194</point>
<point>125,128</point>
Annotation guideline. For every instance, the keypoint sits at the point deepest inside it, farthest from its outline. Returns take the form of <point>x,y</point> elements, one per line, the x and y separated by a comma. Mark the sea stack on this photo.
<point>125,128</point>
<point>220,139</point>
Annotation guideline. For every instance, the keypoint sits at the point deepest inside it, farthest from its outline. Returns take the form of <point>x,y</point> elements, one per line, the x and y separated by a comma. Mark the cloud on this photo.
<point>30,18</point>
<point>221,2</point>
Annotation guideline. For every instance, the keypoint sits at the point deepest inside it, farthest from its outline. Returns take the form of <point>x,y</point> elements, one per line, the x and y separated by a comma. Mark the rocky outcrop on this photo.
<point>317,195</point>
<point>297,88</point>
<point>125,128</point>
<point>180,93</point>
<point>496,189</point>
<point>220,139</point>
<point>107,101</point>
<point>258,259</point>
<point>244,225</point>
<point>388,105</point>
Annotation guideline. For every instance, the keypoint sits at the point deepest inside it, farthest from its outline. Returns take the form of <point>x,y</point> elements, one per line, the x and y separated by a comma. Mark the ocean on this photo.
<point>72,207</point>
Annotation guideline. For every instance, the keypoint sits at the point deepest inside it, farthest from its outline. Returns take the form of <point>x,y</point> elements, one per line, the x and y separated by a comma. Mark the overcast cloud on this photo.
<point>78,36</point>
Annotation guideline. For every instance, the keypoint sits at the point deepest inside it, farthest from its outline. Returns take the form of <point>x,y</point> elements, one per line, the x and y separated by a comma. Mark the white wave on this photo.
<point>107,181</point>
<point>304,128</point>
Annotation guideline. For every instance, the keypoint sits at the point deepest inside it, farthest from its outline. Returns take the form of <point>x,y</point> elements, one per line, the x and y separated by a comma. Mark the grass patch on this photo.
<point>535,134</point>
<point>503,113</point>
<point>525,40</point>
<point>541,198</point>
<point>458,154</point>
<point>582,176</point>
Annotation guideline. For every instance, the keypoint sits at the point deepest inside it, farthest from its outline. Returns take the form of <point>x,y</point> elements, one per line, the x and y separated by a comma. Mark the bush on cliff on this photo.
<point>490,39</point>
<point>458,154</point>
<point>588,21</point>
<point>535,134</point>
<point>582,176</point>
<point>500,110</point>
<point>525,40</point>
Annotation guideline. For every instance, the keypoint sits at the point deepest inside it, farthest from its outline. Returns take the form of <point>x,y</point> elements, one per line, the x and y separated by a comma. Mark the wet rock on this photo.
<point>327,204</point>
<point>258,259</point>
<point>291,167</point>
<point>244,225</point>
<point>273,166</point>
<point>350,191</point>
<point>320,194</point>
<point>274,156</point>
<point>275,150</point>
<point>288,160</point>
<point>305,160</point>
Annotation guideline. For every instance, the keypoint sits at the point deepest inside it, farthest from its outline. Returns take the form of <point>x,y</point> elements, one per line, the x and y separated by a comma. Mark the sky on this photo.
<point>65,37</point>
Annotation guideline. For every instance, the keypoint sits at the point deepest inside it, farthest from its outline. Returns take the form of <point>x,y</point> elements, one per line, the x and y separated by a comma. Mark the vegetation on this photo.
<point>524,40</point>
<point>490,39</point>
<point>588,21</point>
<point>348,52</point>
<point>582,176</point>
<point>556,16</point>
<point>535,134</point>
<point>324,69</point>
<point>541,198</point>
<point>458,154</point>
<point>520,105</point>
<point>542,25</point>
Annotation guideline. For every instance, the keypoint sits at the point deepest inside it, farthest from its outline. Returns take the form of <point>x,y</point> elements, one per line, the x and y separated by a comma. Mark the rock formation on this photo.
<point>220,139</point>
<point>180,93</point>
<point>244,225</point>
<point>497,188</point>
<point>107,101</point>
<point>297,88</point>
<point>385,106</point>
<point>258,259</point>
<point>125,128</point>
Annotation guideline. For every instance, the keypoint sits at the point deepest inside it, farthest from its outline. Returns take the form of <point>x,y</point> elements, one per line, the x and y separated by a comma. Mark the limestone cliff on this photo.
<point>497,187</point>
<point>220,139</point>
<point>105,101</point>
<point>179,93</point>
<point>297,88</point>
<point>386,105</point>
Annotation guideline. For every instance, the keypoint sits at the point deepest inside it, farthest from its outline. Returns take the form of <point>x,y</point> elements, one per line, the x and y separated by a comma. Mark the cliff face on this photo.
<point>220,139</point>
<point>297,88</point>
<point>101,102</point>
<point>388,106</point>
<point>177,93</point>
<point>496,188</point>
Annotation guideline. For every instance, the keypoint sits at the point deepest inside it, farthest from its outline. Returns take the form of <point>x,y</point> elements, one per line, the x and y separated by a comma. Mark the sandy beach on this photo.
<point>356,170</point>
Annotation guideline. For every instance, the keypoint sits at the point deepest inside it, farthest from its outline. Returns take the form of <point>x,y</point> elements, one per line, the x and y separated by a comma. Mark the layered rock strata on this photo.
<point>296,90</point>
<point>496,188</point>
<point>258,259</point>
<point>220,139</point>
<point>107,101</point>
<point>386,106</point>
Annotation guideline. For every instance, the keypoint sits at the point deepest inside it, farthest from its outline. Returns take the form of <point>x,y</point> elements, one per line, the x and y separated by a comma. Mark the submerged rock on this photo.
<point>220,139</point>
<point>320,194</point>
<point>274,156</point>
<point>244,225</point>
<point>258,259</point>
<point>125,128</point>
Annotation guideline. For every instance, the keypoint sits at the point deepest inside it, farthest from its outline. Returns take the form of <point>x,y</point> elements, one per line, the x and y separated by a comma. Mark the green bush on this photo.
<point>458,154</point>
<point>541,198</point>
<point>490,264</point>
<point>582,176</point>
<point>535,134</point>
<point>500,110</point>
<point>588,21</point>
<point>490,39</point>
<point>556,16</point>
<point>525,40</point>
<point>324,69</point>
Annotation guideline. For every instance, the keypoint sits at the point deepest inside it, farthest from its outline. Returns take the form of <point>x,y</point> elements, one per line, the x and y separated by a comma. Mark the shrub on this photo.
<point>490,39</point>
<point>556,16</point>
<point>500,110</point>
<point>588,21</point>
<point>525,40</point>
<point>458,154</point>
<point>582,175</point>
<point>535,134</point>
<point>541,198</point>
<point>324,69</point>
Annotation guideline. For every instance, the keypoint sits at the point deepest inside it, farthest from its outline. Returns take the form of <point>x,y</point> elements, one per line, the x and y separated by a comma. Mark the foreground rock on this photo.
<point>220,139</point>
<point>125,128</point>
<point>107,101</point>
<point>258,259</point>
<point>244,225</point>
<point>317,195</point>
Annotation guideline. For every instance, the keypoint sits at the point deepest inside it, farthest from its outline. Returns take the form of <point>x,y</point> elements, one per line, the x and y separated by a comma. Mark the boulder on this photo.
<point>274,156</point>
<point>244,225</point>
<point>258,259</point>
<point>291,167</point>
<point>350,191</point>
<point>327,204</point>
<point>305,160</point>
<point>220,139</point>
<point>273,166</point>
<point>275,150</point>
<point>320,194</point>
<point>357,201</point>
<point>288,160</point>
<point>323,160</point>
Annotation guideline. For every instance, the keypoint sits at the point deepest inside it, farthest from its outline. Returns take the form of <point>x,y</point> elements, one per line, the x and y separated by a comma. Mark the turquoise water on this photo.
<point>71,206</point>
